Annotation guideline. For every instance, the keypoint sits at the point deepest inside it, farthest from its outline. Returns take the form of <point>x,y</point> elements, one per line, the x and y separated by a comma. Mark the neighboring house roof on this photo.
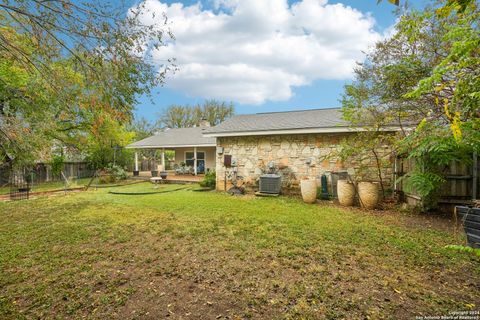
<point>288,122</point>
<point>175,138</point>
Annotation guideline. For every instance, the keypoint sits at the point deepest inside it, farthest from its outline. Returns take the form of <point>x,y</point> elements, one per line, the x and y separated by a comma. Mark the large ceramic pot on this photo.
<point>368,194</point>
<point>163,174</point>
<point>346,192</point>
<point>309,190</point>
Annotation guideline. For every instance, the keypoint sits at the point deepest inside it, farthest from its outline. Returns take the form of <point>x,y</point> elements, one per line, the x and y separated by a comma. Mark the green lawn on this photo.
<point>207,255</point>
<point>73,183</point>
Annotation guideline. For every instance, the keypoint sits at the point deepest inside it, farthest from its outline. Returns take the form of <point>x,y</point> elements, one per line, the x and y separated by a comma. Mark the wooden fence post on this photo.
<point>475,176</point>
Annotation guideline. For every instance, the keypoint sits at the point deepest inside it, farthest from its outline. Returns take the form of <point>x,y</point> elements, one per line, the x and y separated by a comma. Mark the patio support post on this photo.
<point>136,161</point>
<point>163,159</point>
<point>195,160</point>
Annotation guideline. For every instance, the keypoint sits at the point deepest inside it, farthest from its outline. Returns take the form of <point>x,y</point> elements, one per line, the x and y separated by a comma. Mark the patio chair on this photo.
<point>182,170</point>
<point>176,168</point>
<point>189,170</point>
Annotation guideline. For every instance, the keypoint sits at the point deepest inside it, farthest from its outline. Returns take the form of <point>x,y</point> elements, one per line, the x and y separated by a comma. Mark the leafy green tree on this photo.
<point>454,82</point>
<point>427,70</point>
<point>101,38</point>
<point>106,134</point>
<point>450,131</point>
<point>460,4</point>
<point>23,121</point>
<point>62,65</point>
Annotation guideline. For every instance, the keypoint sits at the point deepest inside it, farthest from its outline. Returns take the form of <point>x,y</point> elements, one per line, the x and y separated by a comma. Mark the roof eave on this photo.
<point>170,146</point>
<point>339,129</point>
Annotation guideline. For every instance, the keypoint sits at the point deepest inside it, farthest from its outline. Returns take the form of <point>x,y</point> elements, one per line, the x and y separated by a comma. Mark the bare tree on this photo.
<point>178,116</point>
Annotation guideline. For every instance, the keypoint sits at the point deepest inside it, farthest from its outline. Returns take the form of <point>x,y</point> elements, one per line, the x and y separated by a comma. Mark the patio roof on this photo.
<point>175,138</point>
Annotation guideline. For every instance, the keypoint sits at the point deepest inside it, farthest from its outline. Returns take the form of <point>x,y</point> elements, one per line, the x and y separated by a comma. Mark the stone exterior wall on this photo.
<point>289,153</point>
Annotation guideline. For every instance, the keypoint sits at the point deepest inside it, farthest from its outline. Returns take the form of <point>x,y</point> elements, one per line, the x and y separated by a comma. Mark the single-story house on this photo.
<point>191,147</point>
<point>296,142</point>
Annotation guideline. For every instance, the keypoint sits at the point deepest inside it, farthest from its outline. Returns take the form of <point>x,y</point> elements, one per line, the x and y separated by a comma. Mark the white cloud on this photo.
<point>250,51</point>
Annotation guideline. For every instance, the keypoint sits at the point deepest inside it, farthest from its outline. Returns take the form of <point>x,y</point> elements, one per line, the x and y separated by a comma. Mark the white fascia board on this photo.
<point>295,131</point>
<point>170,147</point>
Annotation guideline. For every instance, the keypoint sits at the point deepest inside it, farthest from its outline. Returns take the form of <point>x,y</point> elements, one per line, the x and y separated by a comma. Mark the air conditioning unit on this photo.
<point>270,183</point>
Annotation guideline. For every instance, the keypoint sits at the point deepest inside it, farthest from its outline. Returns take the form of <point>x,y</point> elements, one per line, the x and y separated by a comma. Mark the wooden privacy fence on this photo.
<point>461,187</point>
<point>41,172</point>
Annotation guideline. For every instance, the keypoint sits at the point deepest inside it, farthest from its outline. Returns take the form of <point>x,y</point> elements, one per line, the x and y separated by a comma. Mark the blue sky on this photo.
<point>255,56</point>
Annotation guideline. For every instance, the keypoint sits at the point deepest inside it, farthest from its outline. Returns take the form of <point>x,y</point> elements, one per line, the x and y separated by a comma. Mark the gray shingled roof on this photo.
<point>182,137</point>
<point>289,120</point>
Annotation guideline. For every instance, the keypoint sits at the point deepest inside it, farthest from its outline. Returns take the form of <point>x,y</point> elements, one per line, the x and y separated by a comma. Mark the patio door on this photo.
<point>200,162</point>
<point>190,160</point>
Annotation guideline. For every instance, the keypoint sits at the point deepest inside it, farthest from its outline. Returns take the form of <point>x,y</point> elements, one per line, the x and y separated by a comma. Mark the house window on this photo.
<point>189,157</point>
<point>190,160</point>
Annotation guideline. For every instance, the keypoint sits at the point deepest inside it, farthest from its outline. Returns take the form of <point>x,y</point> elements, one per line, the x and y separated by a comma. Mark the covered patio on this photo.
<point>173,178</point>
<point>194,153</point>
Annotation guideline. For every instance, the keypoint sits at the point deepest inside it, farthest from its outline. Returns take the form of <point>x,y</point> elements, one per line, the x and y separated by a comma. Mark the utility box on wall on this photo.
<point>227,160</point>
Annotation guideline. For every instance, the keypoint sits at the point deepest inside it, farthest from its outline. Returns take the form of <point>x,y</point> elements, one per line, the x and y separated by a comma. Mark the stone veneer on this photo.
<point>289,153</point>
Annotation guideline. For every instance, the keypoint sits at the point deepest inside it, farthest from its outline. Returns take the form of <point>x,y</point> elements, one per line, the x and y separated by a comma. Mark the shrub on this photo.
<point>209,181</point>
<point>117,172</point>
<point>57,164</point>
<point>105,177</point>
<point>112,173</point>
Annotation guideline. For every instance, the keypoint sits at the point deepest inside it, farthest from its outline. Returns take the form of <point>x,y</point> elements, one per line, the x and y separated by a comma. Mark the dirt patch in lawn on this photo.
<point>412,220</point>
<point>181,278</point>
